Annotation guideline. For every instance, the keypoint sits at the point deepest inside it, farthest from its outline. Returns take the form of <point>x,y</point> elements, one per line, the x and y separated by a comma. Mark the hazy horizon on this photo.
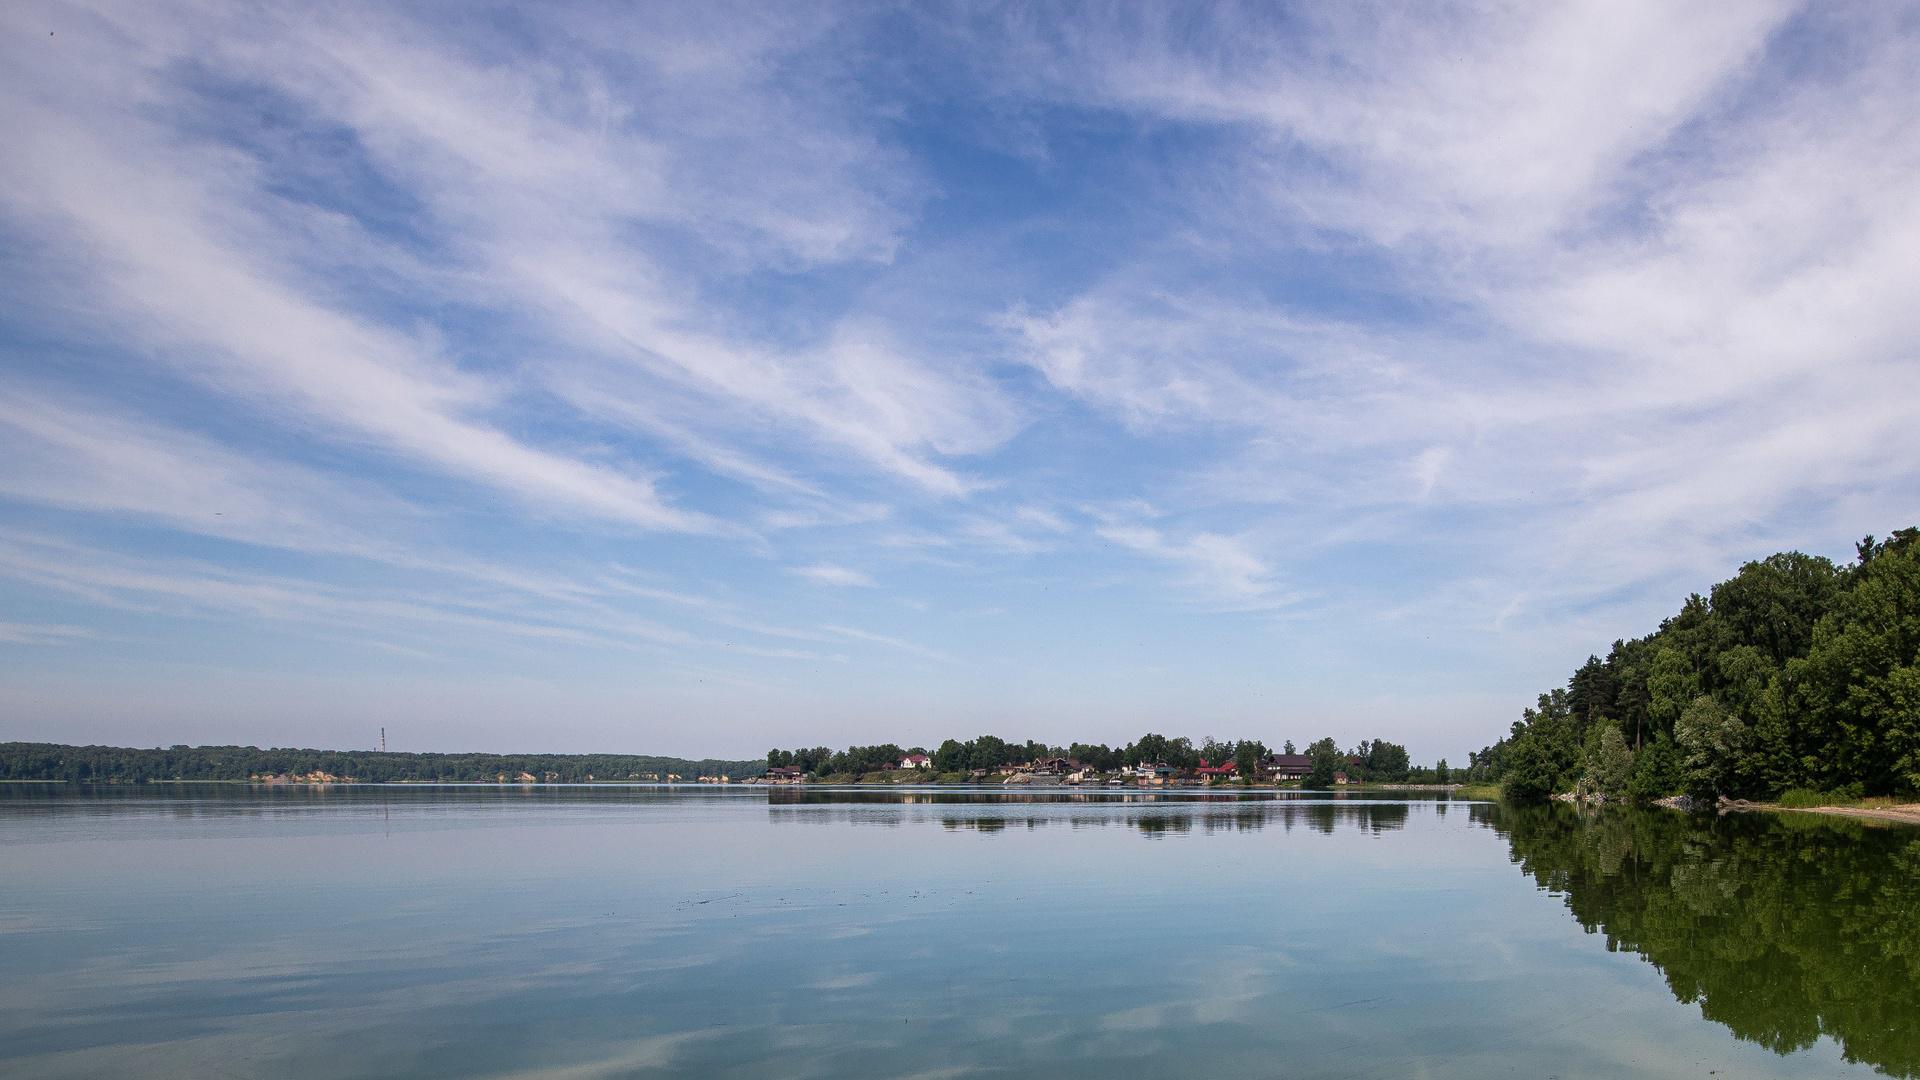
<point>694,380</point>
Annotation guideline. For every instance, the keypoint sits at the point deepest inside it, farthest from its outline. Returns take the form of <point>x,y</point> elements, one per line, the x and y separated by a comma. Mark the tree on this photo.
<point>951,757</point>
<point>1326,760</point>
<point>1531,773</point>
<point>1441,775</point>
<point>1671,686</point>
<point>1288,748</point>
<point>1858,689</point>
<point>1609,764</point>
<point>1711,741</point>
<point>1386,762</point>
<point>1656,771</point>
<point>1148,749</point>
<point>1247,756</point>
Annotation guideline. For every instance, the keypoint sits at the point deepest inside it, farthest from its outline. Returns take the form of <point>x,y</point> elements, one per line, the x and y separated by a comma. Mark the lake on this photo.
<point>555,932</point>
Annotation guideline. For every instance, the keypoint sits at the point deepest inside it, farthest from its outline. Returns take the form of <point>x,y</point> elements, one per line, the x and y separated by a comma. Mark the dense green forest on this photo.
<point>98,764</point>
<point>1794,928</point>
<point>1793,676</point>
<point>1373,760</point>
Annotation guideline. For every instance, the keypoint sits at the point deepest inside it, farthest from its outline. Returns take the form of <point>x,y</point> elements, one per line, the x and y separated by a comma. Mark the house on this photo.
<point>1223,771</point>
<point>783,774</point>
<point>916,761</point>
<point>1034,779</point>
<point>1156,774</point>
<point>1053,766</point>
<point>1288,766</point>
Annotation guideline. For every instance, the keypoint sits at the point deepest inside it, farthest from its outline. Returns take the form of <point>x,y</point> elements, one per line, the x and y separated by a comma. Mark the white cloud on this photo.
<point>838,576</point>
<point>1222,568</point>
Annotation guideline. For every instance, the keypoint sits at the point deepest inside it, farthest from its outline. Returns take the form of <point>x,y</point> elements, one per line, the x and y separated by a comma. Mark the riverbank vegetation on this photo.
<point>1795,675</point>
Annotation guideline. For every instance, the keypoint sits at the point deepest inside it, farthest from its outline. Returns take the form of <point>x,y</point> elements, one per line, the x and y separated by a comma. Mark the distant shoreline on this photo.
<point>30,761</point>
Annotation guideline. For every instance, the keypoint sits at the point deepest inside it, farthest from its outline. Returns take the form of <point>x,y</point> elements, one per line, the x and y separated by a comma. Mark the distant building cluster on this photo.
<point>1066,771</point>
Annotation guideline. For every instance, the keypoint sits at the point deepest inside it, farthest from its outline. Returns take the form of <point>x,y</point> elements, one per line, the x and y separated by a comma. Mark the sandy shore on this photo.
<point>1908,814</point>
<point>1904,813</point>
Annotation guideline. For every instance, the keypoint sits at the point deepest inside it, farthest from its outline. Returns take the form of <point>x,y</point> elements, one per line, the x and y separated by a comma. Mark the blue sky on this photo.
<point>699,378</point>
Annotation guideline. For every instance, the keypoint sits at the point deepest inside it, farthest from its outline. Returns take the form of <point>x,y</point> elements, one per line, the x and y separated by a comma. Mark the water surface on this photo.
<point>613,932</point>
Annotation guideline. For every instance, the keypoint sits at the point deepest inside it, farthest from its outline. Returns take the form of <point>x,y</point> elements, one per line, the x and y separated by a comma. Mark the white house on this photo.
<point>916,761</point>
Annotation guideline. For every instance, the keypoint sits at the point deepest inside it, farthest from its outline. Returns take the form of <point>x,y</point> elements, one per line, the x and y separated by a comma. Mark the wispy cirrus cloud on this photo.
<point>1636,348</point>
<point>832,574</point>
<point>1223,568</point>
<point>21,633</point>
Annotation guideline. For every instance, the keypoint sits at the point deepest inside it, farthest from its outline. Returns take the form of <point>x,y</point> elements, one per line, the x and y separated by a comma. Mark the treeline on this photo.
<point>1796,675</point>
<point>1374,760</point>
<point>118,764</point>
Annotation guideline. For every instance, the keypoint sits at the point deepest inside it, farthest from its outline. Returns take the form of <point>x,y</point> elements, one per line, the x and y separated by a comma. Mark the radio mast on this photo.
<point>383,740</point>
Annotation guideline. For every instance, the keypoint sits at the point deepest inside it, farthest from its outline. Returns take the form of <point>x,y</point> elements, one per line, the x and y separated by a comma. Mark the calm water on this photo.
<point>582,933</point>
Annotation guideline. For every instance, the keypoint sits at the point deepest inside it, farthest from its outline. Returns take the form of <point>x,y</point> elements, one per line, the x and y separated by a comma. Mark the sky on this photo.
<point>699,378</point>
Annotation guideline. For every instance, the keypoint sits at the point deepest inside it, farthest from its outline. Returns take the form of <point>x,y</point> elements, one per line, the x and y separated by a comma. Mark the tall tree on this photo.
<point>1326,760</point>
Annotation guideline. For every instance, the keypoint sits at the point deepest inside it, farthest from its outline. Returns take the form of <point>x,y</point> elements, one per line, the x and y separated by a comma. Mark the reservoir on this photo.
<point>568,933</point>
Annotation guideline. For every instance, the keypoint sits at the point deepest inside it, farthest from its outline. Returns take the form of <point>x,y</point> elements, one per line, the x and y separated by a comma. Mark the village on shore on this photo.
<point>917,768</point>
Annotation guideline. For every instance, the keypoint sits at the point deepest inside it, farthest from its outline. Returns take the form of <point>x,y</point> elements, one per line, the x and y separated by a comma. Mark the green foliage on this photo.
<point>1441,774</point>
<point>1531,773</point>
<point>1608,763</point>
<point>1794,673</point>
<point>1386,762</point>
<point>1671,686</point>
<point>1656,771</point>
<point>1247,757</point>
<point>1327,760</point>
<point>1711,741</point>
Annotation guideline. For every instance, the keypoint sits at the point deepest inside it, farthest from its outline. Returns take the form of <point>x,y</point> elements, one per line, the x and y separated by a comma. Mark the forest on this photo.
<point>117,764</point>
<point>1795,679</point>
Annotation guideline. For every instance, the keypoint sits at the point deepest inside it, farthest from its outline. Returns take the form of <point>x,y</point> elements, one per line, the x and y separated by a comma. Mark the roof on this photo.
<point>1289,761</point>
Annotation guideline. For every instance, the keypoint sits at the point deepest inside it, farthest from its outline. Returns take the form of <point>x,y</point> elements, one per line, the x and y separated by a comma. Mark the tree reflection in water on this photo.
<point>1151,813</point>
<point>1781,927</point>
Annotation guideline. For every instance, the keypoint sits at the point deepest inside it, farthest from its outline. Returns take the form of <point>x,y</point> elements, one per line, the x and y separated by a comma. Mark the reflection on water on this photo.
<point>1784,929</point>
<point>706,932</point>
<point>1151,813</point>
